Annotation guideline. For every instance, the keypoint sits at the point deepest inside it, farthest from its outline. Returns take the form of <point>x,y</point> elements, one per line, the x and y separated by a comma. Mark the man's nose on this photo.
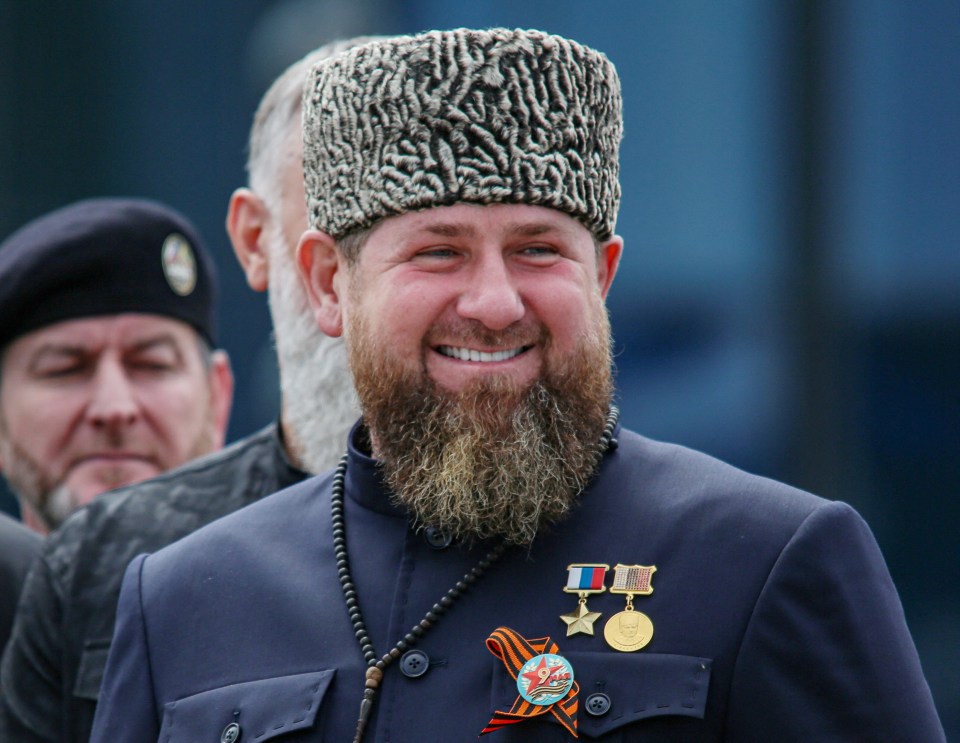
<point>491,296</point>
<point>113,400</point>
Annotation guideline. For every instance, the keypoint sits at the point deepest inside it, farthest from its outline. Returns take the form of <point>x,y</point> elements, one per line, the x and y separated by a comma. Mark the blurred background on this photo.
<point>789,298</point>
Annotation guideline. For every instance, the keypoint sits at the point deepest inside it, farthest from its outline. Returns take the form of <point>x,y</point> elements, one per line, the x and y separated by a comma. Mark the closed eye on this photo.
<point>437,253</point>
<point>538,250</point>
<point>60,371</point>
<point>151,366</point>
<point>538,255</point>
<point>440,258</point>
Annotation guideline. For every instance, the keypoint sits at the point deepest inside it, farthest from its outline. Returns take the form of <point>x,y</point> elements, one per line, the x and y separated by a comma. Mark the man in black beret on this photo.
<point>107,370</point>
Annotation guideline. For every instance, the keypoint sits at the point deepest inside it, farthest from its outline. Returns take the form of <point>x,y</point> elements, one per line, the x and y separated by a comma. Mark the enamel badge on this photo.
<point>545,679</point>
<point>179,264</point>
<point>630,630</point>
<point>584,579</point>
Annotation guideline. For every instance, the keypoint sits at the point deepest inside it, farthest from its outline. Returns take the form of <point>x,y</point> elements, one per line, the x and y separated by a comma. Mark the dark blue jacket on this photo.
<point>774,618</point>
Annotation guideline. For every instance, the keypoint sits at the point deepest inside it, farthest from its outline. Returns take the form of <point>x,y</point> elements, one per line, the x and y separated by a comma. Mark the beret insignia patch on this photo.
<point>179,264</point>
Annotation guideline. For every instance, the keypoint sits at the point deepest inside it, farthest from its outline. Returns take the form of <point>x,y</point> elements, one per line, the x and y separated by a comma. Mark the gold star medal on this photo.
<point>584,579</point>
<point>629,629</point>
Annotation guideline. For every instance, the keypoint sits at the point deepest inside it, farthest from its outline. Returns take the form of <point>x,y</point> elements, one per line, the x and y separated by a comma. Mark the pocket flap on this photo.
<point>262,709</point>
<point>636,686</point>
<point>90,672</point>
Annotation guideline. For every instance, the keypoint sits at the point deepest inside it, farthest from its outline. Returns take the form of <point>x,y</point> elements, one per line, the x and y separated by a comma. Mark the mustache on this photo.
<point>474,333</point>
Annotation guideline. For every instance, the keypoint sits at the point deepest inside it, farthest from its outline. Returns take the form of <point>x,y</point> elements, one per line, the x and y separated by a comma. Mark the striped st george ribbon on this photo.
<point>515,650</point>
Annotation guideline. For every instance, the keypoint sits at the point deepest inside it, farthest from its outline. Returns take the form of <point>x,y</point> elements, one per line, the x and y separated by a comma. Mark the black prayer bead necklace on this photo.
<point>376,667</point>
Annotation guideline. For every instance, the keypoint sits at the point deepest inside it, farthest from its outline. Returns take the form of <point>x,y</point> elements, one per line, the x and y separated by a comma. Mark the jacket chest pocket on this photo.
<point>90,672</point>
<point>249,712</point>
<point>617,691</point>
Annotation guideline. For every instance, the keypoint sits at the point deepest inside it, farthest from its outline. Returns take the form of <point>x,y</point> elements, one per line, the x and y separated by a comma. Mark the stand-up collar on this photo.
<point>364,482</point>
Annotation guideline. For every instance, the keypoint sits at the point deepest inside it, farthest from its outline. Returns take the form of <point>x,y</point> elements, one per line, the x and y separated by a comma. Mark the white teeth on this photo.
<point>469,354</point>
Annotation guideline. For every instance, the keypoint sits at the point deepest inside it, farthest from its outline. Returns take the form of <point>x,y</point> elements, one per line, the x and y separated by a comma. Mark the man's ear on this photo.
<point>246,220</point>
<point>221,394</point>
<point>608,260</point>
<point>319,262</point>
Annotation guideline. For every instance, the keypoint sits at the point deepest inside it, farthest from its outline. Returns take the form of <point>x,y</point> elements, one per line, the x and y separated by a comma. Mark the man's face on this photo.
<point>92,404</point>
<point>629,624</point>
<point>465,293</point>
<point>479,343</point>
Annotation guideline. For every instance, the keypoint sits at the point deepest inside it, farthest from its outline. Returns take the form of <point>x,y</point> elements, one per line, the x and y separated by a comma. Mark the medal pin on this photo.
<point>584,579</point>
<point>630,629</point>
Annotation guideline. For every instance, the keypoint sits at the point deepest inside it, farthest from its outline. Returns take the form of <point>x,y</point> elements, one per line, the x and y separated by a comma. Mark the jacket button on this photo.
<point>436,538</point>
<point>414,663</point>
<point>597,704</point>
<point>230,734</point>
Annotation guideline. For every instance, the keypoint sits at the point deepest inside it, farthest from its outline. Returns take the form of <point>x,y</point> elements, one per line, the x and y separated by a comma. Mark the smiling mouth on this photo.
<point>486,357</point>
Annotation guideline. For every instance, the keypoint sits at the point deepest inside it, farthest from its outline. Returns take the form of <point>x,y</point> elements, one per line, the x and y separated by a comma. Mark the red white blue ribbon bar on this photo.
<point>586,578</point>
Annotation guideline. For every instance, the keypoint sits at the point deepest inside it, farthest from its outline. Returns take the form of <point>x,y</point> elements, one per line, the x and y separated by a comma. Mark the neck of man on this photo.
<point>32,519</point>
<point>290,441</point>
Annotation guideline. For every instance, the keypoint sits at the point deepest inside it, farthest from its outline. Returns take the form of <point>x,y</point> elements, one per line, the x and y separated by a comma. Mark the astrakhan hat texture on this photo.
<point>105,257</point>
<point>477,116</point>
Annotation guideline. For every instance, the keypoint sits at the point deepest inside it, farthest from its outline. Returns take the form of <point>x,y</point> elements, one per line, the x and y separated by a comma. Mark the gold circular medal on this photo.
<point>628,631</point>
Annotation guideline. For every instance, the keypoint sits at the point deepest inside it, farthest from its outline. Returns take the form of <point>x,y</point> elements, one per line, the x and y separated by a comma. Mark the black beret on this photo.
<point>105,257</point>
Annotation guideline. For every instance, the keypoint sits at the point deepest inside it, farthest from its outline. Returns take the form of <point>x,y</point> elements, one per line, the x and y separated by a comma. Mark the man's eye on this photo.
<point>59,370</point>
<point>151,365</point>
<point>536,251</point>
<point>436,253</point>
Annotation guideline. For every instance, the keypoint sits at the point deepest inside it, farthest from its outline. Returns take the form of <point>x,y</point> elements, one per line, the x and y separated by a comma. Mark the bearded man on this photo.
<point>52,668</point>
<point>463,193</point>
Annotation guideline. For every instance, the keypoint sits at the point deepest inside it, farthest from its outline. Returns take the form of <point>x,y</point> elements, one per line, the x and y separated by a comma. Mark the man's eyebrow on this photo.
<point>456,229</point>
<point>450,229</point>
<point>146,344</point>
<point>60,347</point>
<point>71,349</point>
<point>531,229</point>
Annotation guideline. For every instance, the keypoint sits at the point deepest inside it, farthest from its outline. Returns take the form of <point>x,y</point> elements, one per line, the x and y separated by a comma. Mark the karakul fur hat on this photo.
<point>489,116</point>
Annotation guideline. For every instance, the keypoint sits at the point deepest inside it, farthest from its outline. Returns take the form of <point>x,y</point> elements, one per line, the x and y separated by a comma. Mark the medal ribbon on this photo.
<point>515,650</point>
